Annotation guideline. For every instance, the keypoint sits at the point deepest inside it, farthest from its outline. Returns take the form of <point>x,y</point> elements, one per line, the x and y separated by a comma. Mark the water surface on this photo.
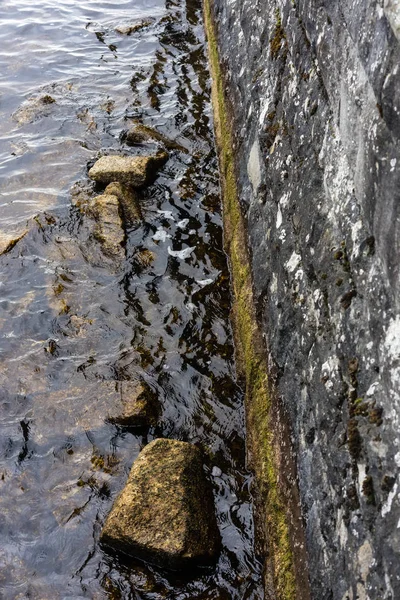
<point>74,323</point>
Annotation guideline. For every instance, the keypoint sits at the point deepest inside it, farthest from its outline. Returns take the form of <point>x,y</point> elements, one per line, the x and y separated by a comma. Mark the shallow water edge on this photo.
<point>75,323</point>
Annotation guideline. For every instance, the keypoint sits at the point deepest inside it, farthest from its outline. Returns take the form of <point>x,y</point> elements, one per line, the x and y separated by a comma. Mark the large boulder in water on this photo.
<point>135,171</point>
<point>165,514</point>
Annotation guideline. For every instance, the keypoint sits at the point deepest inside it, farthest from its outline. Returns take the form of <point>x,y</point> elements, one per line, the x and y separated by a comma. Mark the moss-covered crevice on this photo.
<point>274,519</point>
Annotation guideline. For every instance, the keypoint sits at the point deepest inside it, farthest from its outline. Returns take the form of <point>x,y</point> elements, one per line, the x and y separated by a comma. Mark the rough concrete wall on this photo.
<point>314,90</point>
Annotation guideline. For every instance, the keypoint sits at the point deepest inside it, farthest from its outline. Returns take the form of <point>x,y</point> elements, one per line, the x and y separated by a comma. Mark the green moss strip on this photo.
<point>263,447</point>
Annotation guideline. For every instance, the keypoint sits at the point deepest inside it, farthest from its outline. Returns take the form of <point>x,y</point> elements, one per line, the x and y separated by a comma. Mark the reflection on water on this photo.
<point>73,321</point>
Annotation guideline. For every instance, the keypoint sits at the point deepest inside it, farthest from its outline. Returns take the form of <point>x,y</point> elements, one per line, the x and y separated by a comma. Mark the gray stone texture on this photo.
<point>314,90</point>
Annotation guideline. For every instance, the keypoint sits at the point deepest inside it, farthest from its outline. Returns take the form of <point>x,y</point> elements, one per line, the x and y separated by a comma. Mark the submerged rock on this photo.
<point>33,109</point>
<point>128,200</point>
<point>140,407</point>
<point>8,241</point>
<point>165,514</point>
<point>135,171</point>
<point>142,133</point>
<point>109,229</point>
<point>133,27</point>
<point>143,258</point>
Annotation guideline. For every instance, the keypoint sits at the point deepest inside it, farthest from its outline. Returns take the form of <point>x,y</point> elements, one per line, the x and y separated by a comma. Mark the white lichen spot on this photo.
<point>264,111</point>
<point>275,144</point>
<point>330,371</point>
<point>274,284</point>
<point>392,341</point>
<point>293,262</point>
<point>379,448</point>
<point>284,201</point>
<point>343,533</point>
<point>365,560</point>
<point>387,507</point>
<point>254,166</point>
<point>318,297</point>
<point>361,474</point>
<point>392,11</point>
<point>282,235</point>
<point>372,389</point>
<point>279,218</point>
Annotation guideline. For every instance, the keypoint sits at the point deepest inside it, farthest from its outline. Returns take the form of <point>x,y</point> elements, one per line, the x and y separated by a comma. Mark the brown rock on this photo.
<point>143,258</point>
<point>8,241</point>
<point>33,109</point>
<point>139,405</point>
<point>128,199</point>
<point>133,27</point>
<point>165,514</point>
<point>135,171</point>
<point>142,133</point>
<point>108,230</point>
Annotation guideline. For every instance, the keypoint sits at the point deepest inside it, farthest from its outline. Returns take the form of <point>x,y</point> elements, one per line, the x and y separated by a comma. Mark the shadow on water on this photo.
<point>74,321</point>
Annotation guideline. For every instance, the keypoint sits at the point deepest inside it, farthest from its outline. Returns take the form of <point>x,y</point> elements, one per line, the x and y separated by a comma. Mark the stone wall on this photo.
<point>314,92</point>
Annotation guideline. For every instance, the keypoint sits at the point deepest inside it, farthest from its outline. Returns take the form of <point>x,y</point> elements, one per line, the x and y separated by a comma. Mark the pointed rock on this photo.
<point>165,514</point>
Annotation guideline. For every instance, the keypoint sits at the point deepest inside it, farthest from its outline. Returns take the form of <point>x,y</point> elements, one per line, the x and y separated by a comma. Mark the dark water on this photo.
<point>73,321</point>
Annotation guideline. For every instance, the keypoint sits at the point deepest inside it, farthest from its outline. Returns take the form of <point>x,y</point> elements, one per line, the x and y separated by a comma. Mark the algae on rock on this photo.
<point>139,406</point>
<point>135,171</point>
<point>285,574</point>
<point>108,229</point>
<point>165,514</point>
<point>128,199</point>
<point>139,133</point>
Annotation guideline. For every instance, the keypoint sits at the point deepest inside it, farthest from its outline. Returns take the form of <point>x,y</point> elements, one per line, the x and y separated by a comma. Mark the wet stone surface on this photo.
<point>165,513</point>
<point>314,86</point>
<point>134,171</point>
<point>79,323</point>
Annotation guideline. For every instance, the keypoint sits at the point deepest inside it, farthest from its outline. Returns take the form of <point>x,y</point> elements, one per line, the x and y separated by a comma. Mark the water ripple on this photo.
<point>72,322</point>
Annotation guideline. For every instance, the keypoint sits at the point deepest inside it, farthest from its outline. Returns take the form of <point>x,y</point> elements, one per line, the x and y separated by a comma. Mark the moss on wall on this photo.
<point>263,446</point>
